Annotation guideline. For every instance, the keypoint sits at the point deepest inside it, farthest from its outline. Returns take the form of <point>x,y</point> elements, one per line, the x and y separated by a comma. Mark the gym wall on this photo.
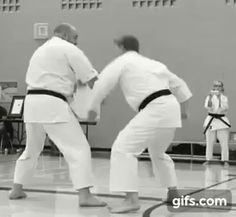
<point>194,38</point>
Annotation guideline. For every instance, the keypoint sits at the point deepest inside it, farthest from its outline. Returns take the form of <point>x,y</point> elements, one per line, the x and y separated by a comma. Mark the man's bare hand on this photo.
<point>184,110</point>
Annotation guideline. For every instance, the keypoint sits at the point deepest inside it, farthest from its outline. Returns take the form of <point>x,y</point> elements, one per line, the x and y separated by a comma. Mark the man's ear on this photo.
<point>65,36</point>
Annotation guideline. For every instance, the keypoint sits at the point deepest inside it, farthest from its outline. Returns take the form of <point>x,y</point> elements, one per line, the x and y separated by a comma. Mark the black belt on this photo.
<point>47,92</point>
<point>217,116</point>
<point>153,96</point>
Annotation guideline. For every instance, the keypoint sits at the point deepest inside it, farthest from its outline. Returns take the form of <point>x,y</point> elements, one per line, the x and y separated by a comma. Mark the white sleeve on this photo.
<point>206,102</point>
<point>81,65</point>
<point>224,103</point>
<point>178,87</point>
<point>107,80</point>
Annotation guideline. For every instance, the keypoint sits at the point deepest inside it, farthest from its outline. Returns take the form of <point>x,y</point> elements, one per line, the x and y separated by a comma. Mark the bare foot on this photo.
<point>91,201</point>
<point>125,207</point>
<point>17,195</point>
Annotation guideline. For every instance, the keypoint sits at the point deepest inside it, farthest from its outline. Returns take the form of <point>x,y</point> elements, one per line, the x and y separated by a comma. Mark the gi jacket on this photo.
<point>138,77</point>
<point>57,65</point>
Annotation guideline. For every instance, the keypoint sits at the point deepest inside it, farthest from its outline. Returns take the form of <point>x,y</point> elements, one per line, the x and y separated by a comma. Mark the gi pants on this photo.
<point>70,140</point>
<point>223,136</point>
<point>144,131</point>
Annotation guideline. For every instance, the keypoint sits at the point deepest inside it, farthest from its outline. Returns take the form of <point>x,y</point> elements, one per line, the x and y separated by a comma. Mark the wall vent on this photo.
<point>230,2</point>
<point>81,4</point>
<point>9,6</point>
<point>152,3</point>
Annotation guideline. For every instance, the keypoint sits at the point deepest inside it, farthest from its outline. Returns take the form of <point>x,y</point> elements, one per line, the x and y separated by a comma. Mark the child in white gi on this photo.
<point>216,124</point>
<point>146,85</point>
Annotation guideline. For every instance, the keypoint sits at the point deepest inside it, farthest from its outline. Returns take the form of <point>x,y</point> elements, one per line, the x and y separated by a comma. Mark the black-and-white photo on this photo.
<point>117,108</point>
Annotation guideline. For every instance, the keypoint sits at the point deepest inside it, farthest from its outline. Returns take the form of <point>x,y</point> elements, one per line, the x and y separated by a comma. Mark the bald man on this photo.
<point>55,70</point>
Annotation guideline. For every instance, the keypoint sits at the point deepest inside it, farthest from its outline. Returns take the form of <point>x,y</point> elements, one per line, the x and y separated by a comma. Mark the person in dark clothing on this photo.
<point>6,129</point>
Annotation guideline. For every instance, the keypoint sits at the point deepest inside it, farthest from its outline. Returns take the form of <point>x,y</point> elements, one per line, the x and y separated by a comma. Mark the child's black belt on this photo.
<point>217,116</point>
<point>153,96</point>
<point>47,92</point>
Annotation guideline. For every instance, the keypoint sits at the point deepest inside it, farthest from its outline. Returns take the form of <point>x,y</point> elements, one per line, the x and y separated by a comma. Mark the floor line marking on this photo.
<point>150,209</point>
<point>75,193</point>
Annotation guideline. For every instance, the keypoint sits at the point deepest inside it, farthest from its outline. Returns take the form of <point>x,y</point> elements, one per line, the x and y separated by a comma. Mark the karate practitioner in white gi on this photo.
<point>216,124</point>
<point>55,70</point>
<point>154,125</point>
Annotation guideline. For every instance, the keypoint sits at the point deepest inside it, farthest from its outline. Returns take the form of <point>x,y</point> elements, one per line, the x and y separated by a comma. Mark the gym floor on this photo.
<point>50,192</point>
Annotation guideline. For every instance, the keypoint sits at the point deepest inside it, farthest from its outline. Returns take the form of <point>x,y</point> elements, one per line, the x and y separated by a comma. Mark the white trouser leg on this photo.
<point>210,140</point>
<point>131,141</point>
<point>27,162</point>
<point>163,165</point>
<point>223,136</point>
<point>71,141</point>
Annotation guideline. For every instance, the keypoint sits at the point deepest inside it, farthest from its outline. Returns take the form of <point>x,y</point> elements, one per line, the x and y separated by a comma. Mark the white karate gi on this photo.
<point>56,66</point>
<point>217,129</point>
<point>152,128</point>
